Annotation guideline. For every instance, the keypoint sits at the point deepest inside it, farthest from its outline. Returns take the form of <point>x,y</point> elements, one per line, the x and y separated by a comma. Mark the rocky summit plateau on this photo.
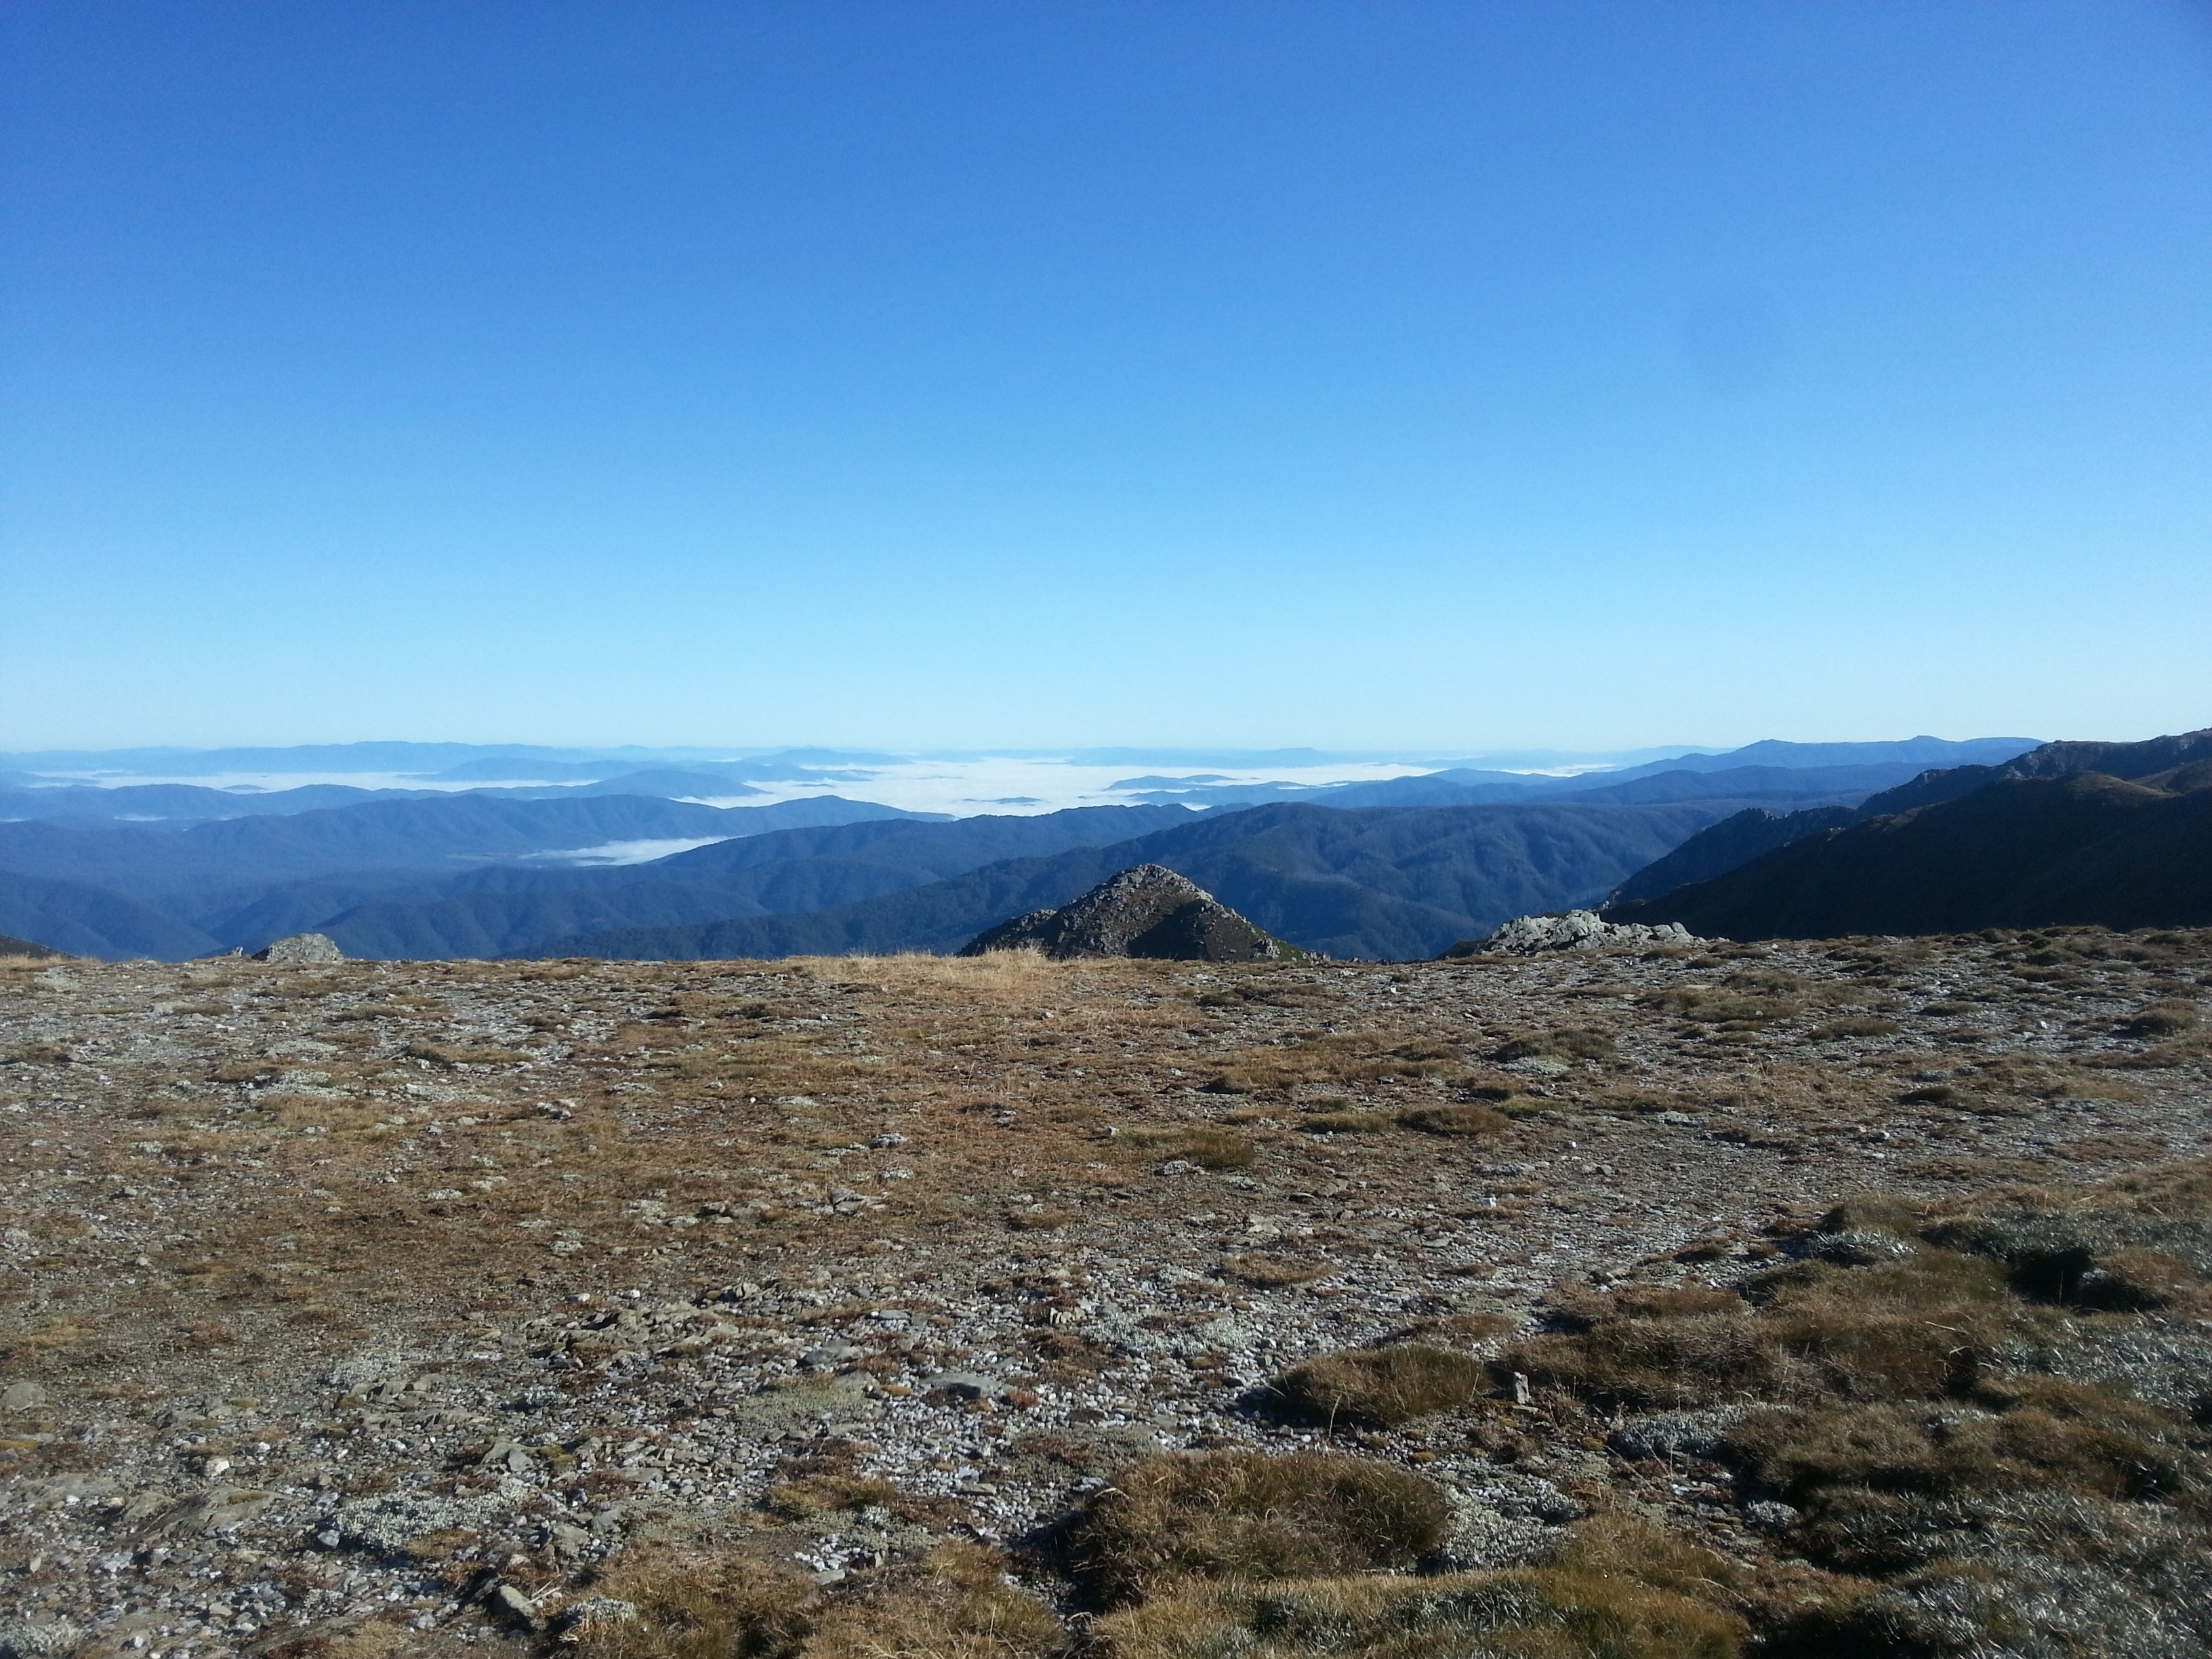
<point>1147,911</point>
<point>1653,1298</point>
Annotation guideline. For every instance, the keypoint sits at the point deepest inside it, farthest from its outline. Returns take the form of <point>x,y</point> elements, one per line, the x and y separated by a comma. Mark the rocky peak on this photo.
<point>1144,911</point>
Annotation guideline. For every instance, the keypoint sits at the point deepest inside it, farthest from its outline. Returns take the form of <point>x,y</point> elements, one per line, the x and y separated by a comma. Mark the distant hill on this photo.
<point>92,921</point>
<point>1919,754</point>
<point>1773,771</point>
<point>498,911</point>
<point>2039,841</point>
<point>1756,831</point>
<point>1388,883</point>
<point>179,806</point>
<point>436,834</point>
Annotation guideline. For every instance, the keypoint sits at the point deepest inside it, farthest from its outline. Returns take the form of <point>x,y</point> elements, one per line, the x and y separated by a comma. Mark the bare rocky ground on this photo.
<point>384,1308</point>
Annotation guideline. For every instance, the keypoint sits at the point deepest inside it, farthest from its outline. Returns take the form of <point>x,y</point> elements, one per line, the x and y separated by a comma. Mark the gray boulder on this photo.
<point>1575,930</point>
<point>301,947</point>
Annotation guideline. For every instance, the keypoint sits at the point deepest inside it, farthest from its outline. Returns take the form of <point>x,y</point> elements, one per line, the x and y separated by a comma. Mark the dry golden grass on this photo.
<point>1349,1123</point>
<point>1269,1272</point>
<point>698,1607</point>
<point>1246,1515</point>
<point>1015,977</point>
<point>822,1494</point>
<point>1614,1591</point>
<point>1208,1148</point>
<point>1456,1120</point>
<point>958,1604</point>
<point>1380,1387</point>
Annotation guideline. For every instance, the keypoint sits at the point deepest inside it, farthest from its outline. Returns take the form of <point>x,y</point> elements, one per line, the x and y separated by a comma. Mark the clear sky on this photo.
<point>938,372</point>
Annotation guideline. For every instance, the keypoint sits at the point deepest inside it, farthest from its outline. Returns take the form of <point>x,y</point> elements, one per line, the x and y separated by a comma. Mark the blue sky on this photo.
<point>917,374</point>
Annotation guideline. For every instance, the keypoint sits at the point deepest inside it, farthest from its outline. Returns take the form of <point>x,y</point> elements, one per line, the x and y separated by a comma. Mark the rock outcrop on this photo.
<point>301,947</point>
<point>1577,930</point>
<point>1146,911</point>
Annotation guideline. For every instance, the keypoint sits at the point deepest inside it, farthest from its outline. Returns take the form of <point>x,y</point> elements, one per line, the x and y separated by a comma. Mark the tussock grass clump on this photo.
<point>1614,1591</point>
<point>1569,1042</point>
<point>1989,1416</point>
<point>1462,1328</point>
<point>1347,1123</point>
<point>823,1494</point>
<point>1380,1387</point>
<point>2031,1467</point>
<point>1654,1363</point>
<point>1246,1516</point>
<point>698,1607</point>
<point>450,1054</point>
<point>1809,1330</point>
<point>1854,1025</point>
<point>1456,1120</point>
<point>956,1605</point>
<point>1872,1212</point>
<point>1269,1272</point>
<point>2164,1019</point>
<point>1337,1057</point>
<point>1039,1218</point>
<point>1707,1004</point>
<point>1208,1148</point>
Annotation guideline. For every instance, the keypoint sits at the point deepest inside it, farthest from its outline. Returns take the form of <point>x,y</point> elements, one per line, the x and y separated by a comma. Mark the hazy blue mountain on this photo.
<point>1776,783</point>
<point>250,916</point>
<point>179,806</point>
<point>373,756</point>
<point>939,848</point>
<point>436,834</point>
<point>1389,883</point>
<point>93,921</point>
<point>502,909</point>
<point>1771,770</point>
<point>726,777</point>
<point>669,785</point>
<point>1918,753</point>
<point>506,768</point>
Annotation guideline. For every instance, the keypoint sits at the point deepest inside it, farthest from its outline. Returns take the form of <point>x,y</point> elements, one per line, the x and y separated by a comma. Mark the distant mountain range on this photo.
<point>222,881</point>
<point>1387,883</point>
<point>2118,834</point>
<point>1771,766</point>
<point>573,863</point>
